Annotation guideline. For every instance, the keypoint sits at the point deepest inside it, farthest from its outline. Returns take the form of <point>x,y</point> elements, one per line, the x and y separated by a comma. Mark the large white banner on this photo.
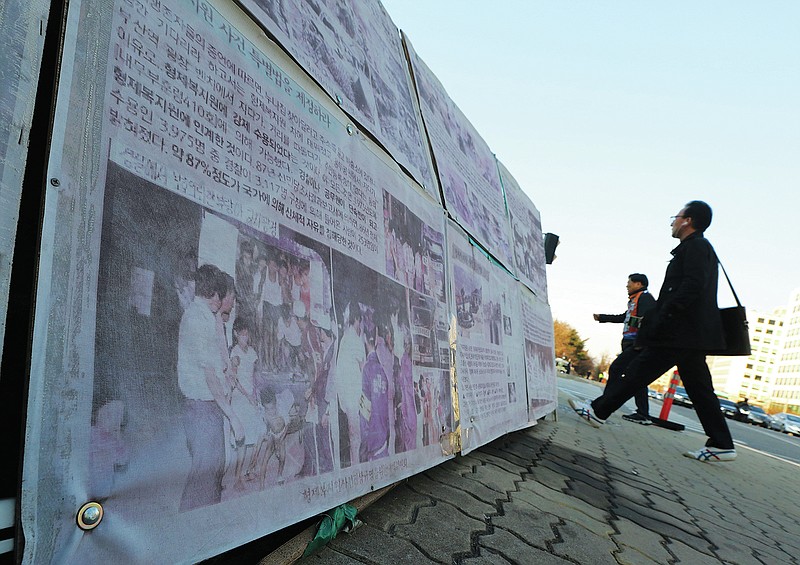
<point>467,167</point>
<point>527,240</point>
<point>241,316</point>
<point>489,356</point>
<point>539,355</point>
<point>353,50</point>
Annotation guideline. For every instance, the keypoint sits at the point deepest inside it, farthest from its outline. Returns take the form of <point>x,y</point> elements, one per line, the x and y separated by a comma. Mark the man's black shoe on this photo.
<point>638,418</point>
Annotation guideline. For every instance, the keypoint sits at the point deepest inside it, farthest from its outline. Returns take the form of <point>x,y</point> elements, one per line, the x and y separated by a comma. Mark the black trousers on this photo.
<point>650,364</point>
<point>618,370</point>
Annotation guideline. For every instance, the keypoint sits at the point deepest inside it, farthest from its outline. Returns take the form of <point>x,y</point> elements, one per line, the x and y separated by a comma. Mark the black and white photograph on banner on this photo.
<point>512,393</point>
<point>457,194</point>
<point>434,405</point>
<point>373,363</point>
<point>487,359</point>
<point>355,53</point>
<point>529,247</point>
<point>471,146</point>
<point>493,320</point>
<point>538,361</point>
<point>470,310</point>
<point>467,167</point>
<point>433,262</point>
<point>429,329</point>
<point>414,250</point>
<point>507,328</point>
<point>468,207</point>
<point>540,368</point>
<point>231,367</point>
<point>526,234</point>
<point>190,363</point>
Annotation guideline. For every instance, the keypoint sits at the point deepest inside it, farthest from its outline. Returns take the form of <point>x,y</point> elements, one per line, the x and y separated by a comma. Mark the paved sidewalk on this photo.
<point>563,492</point>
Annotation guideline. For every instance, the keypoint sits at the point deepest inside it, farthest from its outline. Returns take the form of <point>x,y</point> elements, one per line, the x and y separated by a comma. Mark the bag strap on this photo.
<point>735,296</point>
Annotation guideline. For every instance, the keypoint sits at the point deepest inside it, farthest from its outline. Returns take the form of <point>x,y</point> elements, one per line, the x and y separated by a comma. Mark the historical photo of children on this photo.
<point>285,286</point>
<point>413,249</point>
<point>212,351</point>
<point>374,367</point>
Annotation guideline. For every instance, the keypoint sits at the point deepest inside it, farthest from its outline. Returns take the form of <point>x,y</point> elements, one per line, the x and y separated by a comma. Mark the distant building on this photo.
<point>786,388</point>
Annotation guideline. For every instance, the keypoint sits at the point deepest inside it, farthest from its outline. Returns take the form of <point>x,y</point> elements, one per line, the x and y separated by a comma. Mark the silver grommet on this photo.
<point>89,515</point>
<point>350,129</point>
<point>338,100</point>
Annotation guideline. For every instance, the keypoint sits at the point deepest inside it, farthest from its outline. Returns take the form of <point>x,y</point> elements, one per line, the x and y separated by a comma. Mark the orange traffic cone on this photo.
<point>667,406</point>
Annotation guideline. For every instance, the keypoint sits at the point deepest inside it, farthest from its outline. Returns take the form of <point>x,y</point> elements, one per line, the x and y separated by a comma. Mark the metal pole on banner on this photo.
<point>667,406</point>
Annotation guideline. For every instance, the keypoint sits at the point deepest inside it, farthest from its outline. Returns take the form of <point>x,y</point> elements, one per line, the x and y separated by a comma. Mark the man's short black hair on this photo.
<point>206,281</point>
<point>639,278</point>
<point>700,213</point>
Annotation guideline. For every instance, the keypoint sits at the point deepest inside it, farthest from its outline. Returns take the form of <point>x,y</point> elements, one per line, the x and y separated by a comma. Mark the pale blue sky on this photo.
<point>612,115</point>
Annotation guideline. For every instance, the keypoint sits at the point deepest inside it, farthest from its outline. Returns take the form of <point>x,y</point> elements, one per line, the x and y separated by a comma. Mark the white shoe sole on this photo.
<point>576,408</point>
<point>727,458</point>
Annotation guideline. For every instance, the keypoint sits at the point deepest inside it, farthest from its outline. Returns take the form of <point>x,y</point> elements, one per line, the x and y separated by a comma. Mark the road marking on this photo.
<point>795,463</point>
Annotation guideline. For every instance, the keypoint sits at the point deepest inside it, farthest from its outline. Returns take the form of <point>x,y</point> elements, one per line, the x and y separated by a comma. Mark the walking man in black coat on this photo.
<point>684,326</point>
<point>640,304</point>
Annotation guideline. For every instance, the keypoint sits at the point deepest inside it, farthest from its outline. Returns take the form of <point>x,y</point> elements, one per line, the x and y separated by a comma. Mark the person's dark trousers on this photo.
<point>204,423</point>
<point>650,364</point>
<point>616,373</point>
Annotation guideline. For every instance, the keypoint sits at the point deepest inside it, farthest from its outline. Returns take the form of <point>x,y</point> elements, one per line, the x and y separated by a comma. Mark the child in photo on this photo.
<point>290,338</point>
<point>244,401</point>
<point>274,443</point>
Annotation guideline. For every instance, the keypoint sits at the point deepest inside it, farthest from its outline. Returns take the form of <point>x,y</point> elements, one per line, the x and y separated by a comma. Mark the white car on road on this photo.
<point>786,423</point>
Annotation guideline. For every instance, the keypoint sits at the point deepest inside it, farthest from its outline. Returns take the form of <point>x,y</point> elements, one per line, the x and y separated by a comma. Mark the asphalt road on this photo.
<point>770,442</point>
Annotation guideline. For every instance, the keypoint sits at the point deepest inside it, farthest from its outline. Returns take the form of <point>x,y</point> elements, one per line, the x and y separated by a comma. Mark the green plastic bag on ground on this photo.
<point>332,523</point>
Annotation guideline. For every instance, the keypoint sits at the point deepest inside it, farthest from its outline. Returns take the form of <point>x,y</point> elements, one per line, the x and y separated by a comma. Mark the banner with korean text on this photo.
<point>539,355</point>
<point>489,359</point>
<point>466,166</point>
<point>354,51</point>
<point>526,235</point>
<point>242,306</point>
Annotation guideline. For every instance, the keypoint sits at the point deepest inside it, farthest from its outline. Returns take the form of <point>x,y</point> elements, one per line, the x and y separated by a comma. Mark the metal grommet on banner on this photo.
<point>338,100</point>
<point>349,129</point>
<point>90,515</point>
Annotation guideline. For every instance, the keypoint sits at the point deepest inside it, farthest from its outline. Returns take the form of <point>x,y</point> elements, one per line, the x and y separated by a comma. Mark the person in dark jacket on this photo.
<point>640,304</point>
<point>685,324</point>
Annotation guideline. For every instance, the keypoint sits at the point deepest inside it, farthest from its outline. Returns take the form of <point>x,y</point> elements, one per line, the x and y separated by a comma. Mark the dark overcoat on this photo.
<point>687,314</point>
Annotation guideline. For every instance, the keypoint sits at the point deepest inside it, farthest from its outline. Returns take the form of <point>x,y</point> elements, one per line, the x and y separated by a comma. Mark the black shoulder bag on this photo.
<point>734,326</point>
